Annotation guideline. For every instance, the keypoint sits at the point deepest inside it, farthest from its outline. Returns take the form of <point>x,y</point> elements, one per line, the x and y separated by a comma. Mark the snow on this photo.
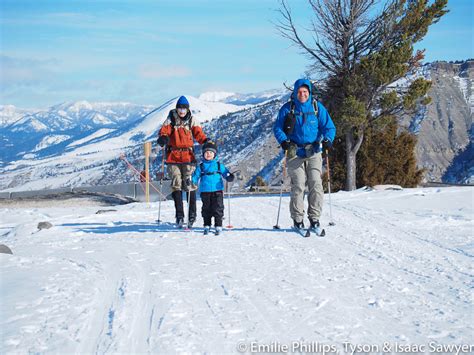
<point>50,140</point>
<point>466,87</point>
<point>215,96</point>
<point>101,132</point>
<point>29,123</point>
<point>243,99</point>
<point>396,267</point>
<point>9,114</point>
<point>99,119</point>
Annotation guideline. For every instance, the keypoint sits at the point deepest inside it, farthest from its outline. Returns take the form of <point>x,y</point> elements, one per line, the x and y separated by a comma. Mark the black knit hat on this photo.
<point>209,146</point>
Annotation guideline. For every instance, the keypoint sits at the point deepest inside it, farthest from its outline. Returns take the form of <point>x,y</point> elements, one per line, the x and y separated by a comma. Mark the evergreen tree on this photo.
<point>387,157</point>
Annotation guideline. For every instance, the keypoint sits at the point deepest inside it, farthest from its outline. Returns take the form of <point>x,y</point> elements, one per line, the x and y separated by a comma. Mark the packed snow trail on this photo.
<point>397,267</point>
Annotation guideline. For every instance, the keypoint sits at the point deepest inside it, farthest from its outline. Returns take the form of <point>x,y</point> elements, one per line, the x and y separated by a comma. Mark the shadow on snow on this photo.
<point>166,227</point>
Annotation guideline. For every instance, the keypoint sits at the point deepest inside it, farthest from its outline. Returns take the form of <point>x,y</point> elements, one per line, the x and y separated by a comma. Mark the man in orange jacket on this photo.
<point>178,133</point>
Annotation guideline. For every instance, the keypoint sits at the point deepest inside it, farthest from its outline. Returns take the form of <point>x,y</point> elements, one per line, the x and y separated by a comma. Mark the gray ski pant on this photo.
<point>304,171</point>
<point>178,174</point>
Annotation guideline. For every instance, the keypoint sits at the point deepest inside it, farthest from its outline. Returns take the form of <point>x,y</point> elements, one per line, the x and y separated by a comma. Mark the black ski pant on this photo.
<point>212,206</point>
<point>178,204</point>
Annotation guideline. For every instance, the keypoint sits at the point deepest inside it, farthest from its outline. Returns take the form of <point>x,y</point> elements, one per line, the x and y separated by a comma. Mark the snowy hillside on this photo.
<point>396,268</point>
<point>444,145</point>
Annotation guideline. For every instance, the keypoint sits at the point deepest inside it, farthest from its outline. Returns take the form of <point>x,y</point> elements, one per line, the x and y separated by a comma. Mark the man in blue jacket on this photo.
<point>302,126</point>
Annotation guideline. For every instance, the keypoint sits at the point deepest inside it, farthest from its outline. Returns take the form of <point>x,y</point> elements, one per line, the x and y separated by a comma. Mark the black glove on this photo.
<point>230,177</point>
<point>163,140</point>
<point>187,181</point>
<point>327,144</point>
<point>285,145</point>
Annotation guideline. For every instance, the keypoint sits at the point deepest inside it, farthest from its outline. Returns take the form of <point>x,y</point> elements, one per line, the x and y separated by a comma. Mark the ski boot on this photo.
<point>314,224</point>
<point>206,230</point>
<point>218,230</point>
<point>180,222</point>
<point>315,228</point>
<point>298,225</point>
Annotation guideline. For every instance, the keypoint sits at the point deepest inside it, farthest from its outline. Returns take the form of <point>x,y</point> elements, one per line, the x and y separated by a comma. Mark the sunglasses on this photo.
<point>182,110</point>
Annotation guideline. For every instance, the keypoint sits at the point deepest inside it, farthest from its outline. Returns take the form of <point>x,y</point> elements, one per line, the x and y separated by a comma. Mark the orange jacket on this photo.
<point>182,135</point>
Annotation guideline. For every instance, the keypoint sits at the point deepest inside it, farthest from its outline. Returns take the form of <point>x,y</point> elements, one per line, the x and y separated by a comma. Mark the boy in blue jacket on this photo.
<point>209,174</point>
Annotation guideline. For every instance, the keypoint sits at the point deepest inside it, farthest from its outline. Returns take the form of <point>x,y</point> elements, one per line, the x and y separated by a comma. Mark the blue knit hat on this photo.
<point>182,102</point>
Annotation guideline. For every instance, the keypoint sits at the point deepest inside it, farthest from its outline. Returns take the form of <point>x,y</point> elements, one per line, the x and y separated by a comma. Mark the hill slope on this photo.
<point>397,267</point>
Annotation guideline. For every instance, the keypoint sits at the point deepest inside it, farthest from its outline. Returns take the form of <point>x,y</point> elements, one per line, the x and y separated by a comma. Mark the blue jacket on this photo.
<point>209,176</point>
<point>308,128</point>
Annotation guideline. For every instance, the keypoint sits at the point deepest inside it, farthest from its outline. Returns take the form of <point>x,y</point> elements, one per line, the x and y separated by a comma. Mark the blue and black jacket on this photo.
<point>209,174</point>
<point>309,128</point>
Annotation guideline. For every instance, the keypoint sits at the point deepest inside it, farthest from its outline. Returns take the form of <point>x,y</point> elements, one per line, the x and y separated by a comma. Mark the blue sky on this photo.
<point>146,51</point>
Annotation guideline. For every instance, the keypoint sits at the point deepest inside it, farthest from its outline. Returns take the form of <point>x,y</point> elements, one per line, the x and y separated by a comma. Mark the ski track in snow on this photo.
<point>396,267</point>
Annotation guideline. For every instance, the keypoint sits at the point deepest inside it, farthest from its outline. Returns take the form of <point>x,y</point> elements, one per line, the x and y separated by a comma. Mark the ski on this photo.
<point>316,231</point>
<point>307,232</point>
<point>300,231</point>
<point>184,226</point>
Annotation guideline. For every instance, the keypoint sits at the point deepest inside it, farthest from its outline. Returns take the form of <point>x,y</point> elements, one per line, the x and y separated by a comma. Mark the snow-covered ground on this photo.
<point>396,267</point>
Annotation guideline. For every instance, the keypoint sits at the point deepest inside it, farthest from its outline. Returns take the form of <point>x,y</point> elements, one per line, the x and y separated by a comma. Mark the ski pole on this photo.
<point>276,226</point>
<point>228,203</point>
<point>161,183</point>
<point>189,205</point>
<point>331,222</point>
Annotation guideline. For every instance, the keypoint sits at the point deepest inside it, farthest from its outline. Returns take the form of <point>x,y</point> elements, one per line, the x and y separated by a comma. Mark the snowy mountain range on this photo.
<point>74,144</point>
<point>243,99</point>
<point>80,143</point>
